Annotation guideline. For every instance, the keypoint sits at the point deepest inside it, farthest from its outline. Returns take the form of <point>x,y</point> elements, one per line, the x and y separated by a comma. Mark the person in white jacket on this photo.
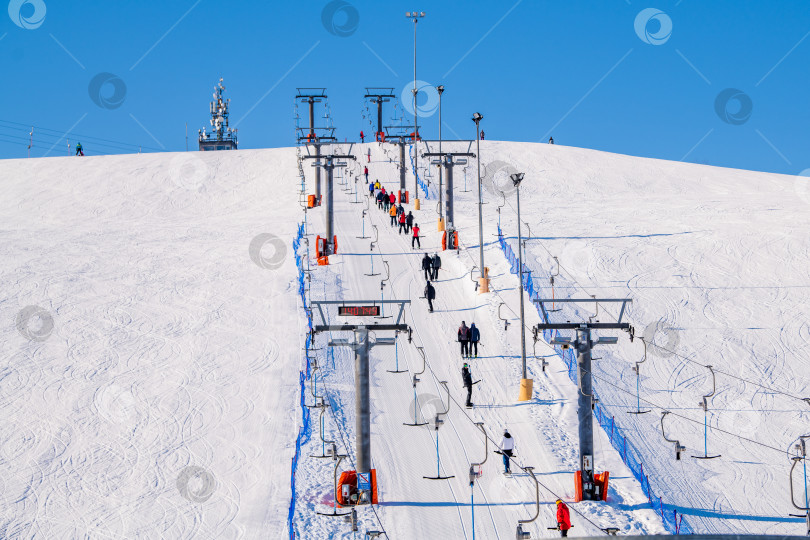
<point>507,446</point>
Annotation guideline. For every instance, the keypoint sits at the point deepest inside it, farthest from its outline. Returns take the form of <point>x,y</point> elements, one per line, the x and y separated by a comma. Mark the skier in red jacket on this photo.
<point>415,237</point>
<point>563,518</point>
<point>362,137</point>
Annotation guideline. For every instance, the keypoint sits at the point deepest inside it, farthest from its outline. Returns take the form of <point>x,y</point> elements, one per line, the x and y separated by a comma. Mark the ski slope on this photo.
<point>155,392</point>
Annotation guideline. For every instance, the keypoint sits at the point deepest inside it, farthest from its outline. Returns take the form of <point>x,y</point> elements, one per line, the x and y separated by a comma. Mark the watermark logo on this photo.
<point>733,106</point>
<point>653,26</point>
<point>107,90</point>
<point>497,179</point>
<point>340,18</point>
<point>188,171</point>
<point>662,340</point>
<point>196,484</point>
<point>427,94</point>
<point>425,407</point>
<point>259,247</point>
<point>801,186</point>
<point>28,14</point>
<point>34,323</point>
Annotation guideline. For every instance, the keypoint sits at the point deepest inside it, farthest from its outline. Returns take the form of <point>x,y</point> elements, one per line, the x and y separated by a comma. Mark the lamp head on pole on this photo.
<point>440,88</point>
<point>517,178</point>
<point>477,117</point>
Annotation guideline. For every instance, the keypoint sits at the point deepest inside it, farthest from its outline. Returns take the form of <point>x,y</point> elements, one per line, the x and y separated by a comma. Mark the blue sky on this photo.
<point>626,76</point>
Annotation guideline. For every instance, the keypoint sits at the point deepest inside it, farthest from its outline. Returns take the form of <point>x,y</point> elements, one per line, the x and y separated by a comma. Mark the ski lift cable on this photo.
<point>64,133</point>
<point>700,422</point>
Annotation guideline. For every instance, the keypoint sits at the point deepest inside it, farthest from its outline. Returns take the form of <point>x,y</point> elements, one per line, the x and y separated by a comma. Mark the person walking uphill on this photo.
<point>506,448</point>
<point>430,295</point>
<point>436,263</point>
<point>426,266</point>
<point>402,224</point>
<point>79,149</point>
<point>393,213</point>
<point>464,339</point>
<point>416,236</point>
<point>563,518</point>
<point>466,377</point>
<point>409,221</point>
<point>475,337</point>
<point>365,171</point>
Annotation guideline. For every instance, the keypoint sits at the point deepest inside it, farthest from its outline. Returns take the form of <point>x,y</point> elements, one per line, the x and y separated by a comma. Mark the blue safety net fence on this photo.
<point>673,521</point>
<point>305,431</point>
<point>425,188</point>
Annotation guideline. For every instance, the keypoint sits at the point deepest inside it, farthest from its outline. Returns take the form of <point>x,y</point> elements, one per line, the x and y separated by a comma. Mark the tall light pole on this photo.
<point>415,15</point>
<point>440,88</point>
<point>525,382</point>
<point>483,281</point>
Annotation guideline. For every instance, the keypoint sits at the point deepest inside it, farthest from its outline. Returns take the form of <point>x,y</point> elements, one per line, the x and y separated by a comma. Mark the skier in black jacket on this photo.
<point>409,222</point>
<point>436,263</point>
<point>475,337</point>
<point>466,376</point>
<point>427,267</point>
<point>430,295</point>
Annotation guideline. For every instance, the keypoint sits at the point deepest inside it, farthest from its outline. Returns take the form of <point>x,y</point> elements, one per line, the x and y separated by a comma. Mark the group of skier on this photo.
<point>468,336</point>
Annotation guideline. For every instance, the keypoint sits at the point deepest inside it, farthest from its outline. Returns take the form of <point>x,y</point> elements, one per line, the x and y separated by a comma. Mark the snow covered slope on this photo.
<point>153,342</point>
<point>151,391</point>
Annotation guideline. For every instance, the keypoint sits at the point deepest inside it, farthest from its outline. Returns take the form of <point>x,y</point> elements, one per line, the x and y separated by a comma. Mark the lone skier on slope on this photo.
<point>507,446</point>
<point>416,236</point>
<point>475,337</point>
<point>362,137</point>
<point>79,149</point>
<point>464,339</point>
<point>466,376</point>
<point>430,295</point>
<point>436,263</point>
<point>563,518</point>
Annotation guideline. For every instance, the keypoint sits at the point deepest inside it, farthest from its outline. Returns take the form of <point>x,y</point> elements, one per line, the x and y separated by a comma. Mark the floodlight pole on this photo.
<point>416,15</point>
<point>517,179</point>
<point>441,227</point>
<point>483,281</point>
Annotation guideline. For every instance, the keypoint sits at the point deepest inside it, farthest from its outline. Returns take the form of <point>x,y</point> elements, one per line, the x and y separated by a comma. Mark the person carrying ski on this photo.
<point>466,376</point>
<point>507,446</point>
<point>436,263</point>
<point>365,171</point>
<point>426,266</point>
<point>362,137</point>
<point>475,337</point>
<point>563,518</point>
<point>416,236</point>
<point>402,224</point>
<point>409,221</point>
<point>430,295</point>
<point>464,339</point>
<point>393,213</point>
<point>79,149</point>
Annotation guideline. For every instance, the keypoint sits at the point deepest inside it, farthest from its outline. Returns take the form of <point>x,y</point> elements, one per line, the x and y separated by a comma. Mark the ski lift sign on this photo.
<point>359,311</point>
<point>363,481</point>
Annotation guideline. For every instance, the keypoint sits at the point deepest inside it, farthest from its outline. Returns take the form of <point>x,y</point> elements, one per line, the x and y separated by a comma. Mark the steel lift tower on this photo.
<point>379,96</point>
<point>328,245</point>
<point>587,485</point>
<point>311,96</point>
